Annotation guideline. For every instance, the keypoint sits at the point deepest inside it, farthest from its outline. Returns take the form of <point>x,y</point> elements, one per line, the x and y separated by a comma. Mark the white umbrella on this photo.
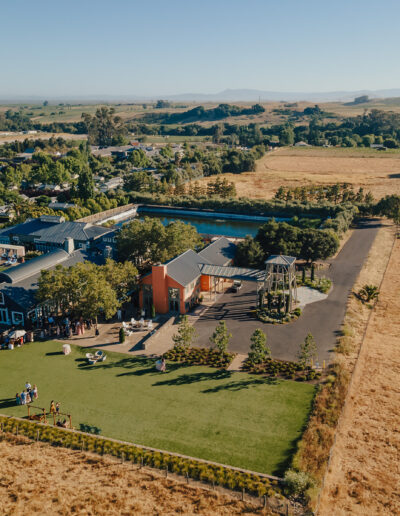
<point>16,334</point>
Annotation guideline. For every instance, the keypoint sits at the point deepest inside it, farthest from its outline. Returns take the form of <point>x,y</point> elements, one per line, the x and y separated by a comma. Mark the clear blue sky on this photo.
<point>154,47</point>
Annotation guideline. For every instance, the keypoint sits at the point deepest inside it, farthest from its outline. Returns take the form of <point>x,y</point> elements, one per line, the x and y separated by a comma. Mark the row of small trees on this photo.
<point>259,351</point>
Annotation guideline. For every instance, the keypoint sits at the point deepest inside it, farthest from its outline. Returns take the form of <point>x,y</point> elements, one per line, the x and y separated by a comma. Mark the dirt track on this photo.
<point>364,473</point>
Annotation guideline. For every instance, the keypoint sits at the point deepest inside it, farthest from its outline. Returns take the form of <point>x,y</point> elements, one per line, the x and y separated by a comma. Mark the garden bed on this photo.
<point>200,356</point>
<point>274,317</point>
<point>281,369</point>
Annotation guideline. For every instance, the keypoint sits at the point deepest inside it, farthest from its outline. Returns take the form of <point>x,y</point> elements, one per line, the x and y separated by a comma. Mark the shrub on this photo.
<point>297,482</point>
<point>121,335</point>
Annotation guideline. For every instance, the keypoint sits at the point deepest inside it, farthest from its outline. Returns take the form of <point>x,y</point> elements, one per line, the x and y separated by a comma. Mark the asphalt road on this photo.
<point>322,319</point>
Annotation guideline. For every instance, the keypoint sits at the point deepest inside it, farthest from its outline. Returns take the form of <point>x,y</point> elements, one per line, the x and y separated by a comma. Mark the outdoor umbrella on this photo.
<point>16,334</point>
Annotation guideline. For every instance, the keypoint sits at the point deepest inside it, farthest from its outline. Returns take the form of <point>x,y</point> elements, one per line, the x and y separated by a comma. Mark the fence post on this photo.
<point>265,502</point>
<point>141,463</point>
<point>37,435</point>
<point>166,472</point>
<point>122,457</point>
<point>243,494</point>
<point>187,477</point>
<point>16,430</point>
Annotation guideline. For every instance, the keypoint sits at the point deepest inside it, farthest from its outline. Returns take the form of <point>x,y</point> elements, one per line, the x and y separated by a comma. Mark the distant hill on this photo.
<point>228,95</point>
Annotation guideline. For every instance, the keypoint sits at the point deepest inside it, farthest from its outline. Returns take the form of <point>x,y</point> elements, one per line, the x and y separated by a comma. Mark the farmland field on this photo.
<point>378,172</point>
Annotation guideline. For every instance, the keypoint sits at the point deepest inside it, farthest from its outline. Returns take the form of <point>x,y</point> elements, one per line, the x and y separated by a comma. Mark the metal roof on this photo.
<point>23,292</point>
<point>220,252</point>
<point>81,231</point>
<point>280,259</point>
<point>233,272</point>
<point>34,266</point>
<point>27,227</point>
<point>185,268</point>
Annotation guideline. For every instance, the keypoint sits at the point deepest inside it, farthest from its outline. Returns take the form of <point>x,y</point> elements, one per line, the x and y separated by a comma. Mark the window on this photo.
<point>17,317</point>
<point>1,298</point>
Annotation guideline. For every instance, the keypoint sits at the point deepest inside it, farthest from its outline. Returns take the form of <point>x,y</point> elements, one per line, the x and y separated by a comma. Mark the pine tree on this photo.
<point>259,350</point>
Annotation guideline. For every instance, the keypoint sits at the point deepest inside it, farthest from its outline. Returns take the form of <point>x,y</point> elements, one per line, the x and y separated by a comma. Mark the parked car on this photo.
<point>237,285</point>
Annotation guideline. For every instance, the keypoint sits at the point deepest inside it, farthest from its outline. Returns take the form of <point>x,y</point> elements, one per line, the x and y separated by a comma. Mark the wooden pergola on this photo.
<point>280,275</point>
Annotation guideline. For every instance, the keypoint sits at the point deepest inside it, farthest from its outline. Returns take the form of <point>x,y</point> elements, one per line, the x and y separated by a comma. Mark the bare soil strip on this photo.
<point>364,473</point>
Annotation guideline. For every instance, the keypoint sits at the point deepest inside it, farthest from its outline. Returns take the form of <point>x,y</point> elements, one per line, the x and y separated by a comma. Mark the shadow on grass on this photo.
<point>243,384</point>
<point>7,402</point>
<point>185,379</point>
<point>54,353</point>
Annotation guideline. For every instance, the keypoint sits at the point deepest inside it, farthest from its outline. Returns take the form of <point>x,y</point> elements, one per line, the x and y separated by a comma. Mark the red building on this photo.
<point>175,286</point>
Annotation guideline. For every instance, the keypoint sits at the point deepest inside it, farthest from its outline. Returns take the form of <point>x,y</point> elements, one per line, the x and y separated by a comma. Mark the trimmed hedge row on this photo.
<point>200,356</point>
<point>223,476</point>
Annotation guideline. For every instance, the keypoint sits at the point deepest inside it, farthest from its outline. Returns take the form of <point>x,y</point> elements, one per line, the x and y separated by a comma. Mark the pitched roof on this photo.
<point>219,252</point>
<point>233,272</point>
<point>27,227</point>
<point>185,268</point>
<point>81,231</point>
<point>280,259</point>
<point>23,291</point>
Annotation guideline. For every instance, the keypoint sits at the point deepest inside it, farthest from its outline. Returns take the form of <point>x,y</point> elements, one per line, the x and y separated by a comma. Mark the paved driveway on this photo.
<point>323,319</point>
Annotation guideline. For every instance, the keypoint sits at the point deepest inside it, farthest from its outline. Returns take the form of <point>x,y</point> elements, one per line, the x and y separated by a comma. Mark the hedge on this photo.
<point>197,469</point>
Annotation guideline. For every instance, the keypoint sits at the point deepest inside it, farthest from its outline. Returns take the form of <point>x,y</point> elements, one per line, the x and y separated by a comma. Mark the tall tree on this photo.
<point>307,351</point>
<point>104,128</point>
<point>85,186</point>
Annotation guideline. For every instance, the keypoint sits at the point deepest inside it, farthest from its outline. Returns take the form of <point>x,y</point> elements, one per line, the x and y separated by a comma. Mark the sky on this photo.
<point>155,47</point>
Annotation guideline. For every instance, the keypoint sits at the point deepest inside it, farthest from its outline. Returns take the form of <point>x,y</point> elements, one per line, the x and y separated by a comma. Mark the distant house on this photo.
<point>62,206</point>
<point>112,184</point>
<point>50,232</point>
<point>176,285</point>
<point>302,144</point>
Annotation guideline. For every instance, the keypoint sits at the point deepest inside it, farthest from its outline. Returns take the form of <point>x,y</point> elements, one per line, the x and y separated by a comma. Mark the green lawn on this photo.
<point>232,418</point>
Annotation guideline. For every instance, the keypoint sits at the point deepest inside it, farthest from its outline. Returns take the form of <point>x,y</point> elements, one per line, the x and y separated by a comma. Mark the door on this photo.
<point>3,315</point>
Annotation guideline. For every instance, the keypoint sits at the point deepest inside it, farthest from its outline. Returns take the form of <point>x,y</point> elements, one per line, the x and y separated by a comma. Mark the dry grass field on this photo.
<point>36,478</point>
<point>364,472</point>
<point>4,138</point>
<point>378,172</point>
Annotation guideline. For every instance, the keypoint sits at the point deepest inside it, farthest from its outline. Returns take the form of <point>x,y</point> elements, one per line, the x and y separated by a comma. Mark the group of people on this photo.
<point>27,395</point>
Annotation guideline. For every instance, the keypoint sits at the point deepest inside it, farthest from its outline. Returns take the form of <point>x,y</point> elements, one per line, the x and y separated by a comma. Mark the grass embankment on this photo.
<point>231,418</point>
<point>365,481</point>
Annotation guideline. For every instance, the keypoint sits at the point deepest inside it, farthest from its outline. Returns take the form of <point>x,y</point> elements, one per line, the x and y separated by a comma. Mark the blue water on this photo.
<point>208,223</point>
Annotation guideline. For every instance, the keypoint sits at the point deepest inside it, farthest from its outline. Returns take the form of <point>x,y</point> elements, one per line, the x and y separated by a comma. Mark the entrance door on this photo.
<point>173,298</point>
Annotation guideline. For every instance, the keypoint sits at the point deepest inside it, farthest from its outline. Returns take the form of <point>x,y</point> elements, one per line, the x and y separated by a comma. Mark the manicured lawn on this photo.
<point>233,418</point>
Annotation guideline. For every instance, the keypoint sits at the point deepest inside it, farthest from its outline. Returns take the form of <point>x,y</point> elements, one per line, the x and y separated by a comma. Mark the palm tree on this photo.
<point>368,293</point>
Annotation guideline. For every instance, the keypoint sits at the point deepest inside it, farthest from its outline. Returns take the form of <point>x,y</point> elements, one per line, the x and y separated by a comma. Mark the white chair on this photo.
<point>150,325</point>
<point>133,322</point>
<point>141,322</point>
<point>124,325</point>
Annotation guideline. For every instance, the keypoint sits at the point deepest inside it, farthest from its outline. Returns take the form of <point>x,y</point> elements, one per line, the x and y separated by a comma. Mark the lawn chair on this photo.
<point>133,322</point>
<point>150,325</point>
<point>141,323</point>
<point>99,354</point>
<point>103,358</point>
<point>90,356</point>
<point>124,325</point>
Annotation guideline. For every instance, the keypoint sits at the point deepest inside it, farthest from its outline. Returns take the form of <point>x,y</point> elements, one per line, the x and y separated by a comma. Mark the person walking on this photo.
<point>23,398</point>
<point>119,314</point>
<point>57,408</point>
<point>35,392</point>
<point>28,386</point>
<point>52,407</point>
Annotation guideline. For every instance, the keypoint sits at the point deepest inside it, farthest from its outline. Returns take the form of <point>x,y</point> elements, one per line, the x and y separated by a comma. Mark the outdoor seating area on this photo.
<point>135,325</point>
<point>99,356</point>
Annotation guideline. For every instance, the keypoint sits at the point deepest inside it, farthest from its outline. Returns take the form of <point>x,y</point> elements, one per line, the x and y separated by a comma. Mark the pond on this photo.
<point>209,223</point>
